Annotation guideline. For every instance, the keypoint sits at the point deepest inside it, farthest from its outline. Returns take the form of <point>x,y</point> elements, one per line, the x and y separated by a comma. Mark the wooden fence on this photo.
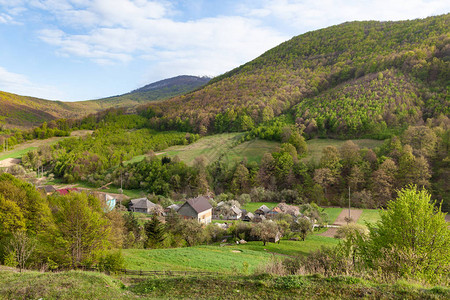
<point>153,273</point>
<point>165,273</point>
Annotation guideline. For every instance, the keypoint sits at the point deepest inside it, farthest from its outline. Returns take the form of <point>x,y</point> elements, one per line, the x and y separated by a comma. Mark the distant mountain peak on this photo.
<point>182,80</point>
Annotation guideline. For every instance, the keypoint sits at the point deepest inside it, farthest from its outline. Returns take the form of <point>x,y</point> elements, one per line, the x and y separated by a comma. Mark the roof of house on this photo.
<point>199,204</point>
<point>142,203</point>
<point>175,207</point>
<point>264,208</point>
<point>236,210</point>
<point>250,215</point>
<point>47,188</point>
<point>66,191</point>
<point>288,209</point>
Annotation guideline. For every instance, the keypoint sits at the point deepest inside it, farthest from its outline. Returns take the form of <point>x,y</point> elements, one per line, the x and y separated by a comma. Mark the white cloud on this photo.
<point>234,39</point>
<point>313,14</point>
<point>20,84</point>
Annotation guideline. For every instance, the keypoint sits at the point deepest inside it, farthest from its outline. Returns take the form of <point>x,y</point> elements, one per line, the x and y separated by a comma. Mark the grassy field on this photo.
<point>369,216</point>
<point>93,285</point>
<point>214,146</point>
<point>333,213</point>
<point>16,153</point>
<point>199,258</point>
<point>315,146</point>
<point>287,247</point>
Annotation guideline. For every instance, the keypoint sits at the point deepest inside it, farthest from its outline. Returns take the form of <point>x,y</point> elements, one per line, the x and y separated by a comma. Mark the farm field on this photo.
<point>199,258</point>
<point>369,216</point>
<point>333,213</point>
<point>287,247</point>
<point>214,146</point>
<point>315,146</point>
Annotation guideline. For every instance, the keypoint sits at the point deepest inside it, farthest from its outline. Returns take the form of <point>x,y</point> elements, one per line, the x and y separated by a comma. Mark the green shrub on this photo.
<point>111,262</point>
<point>289,282</point>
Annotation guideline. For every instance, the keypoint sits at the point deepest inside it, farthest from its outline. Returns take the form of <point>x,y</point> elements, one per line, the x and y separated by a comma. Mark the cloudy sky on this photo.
<point>86,49</point>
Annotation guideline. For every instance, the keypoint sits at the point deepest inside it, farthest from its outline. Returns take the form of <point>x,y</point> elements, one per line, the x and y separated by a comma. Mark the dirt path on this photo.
<point>9,162</point>
<point>355,214</point>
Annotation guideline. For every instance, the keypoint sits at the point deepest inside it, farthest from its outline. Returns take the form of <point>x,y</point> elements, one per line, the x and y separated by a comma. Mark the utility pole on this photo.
<point>349,216</point>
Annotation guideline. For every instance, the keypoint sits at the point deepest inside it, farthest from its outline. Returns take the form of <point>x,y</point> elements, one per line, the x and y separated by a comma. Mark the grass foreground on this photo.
<point>93,285</point>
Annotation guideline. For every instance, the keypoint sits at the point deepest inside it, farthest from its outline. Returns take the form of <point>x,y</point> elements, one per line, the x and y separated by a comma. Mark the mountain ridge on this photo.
<point>18,111</point>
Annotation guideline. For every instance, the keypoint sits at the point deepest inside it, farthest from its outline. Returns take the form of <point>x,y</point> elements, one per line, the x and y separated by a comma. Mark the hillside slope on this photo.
<point>316,62</point>
<point>24,112</point>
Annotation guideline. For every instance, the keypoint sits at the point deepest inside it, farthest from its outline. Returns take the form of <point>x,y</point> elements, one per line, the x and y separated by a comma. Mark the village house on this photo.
<point>262,210</point>
<point>142,205</point>
<point>108,200</point>
<point>197,208</point>
<point>248,217</point>
<point>283,208</point>
<point>66,191</point>
<point>47,189</point>
<point>170,208</point>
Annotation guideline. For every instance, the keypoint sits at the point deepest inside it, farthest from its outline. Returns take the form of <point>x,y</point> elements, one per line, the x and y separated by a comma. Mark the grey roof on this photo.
<point>236,210</point>
<point>199,204</point>
<point>142,203</point>
<point>48,188</point>
<point>175,207</point>
<point>264,208</point>
<point>250,215</point>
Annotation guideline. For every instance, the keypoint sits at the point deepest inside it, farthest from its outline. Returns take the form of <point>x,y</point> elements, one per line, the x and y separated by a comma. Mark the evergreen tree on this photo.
<point>155,231</point>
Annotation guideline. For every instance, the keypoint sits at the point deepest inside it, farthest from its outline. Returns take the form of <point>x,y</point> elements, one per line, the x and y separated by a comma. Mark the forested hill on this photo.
<point>25,112</point>
<point>332,79</point>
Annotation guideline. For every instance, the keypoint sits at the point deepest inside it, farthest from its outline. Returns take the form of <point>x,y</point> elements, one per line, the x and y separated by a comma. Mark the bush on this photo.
<point>289,282</point>
<point>111,262</point>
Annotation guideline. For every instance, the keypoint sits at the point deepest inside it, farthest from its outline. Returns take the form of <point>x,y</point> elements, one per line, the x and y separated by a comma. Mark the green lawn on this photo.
<point>315,146</point>
<point>199,258</point>
<point>369,216</point>
<point>333,213</point>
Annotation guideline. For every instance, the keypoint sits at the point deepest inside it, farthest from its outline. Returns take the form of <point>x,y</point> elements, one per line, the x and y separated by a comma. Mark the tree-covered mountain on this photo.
<point>25,112</point>
<point>333,78</point>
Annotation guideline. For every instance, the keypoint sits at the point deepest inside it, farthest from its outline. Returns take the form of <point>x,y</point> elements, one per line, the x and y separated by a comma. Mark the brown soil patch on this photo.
<point>355,214</point>
<point>9,162</point>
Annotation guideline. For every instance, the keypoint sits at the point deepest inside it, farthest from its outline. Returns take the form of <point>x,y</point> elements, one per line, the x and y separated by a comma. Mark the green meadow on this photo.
<point>198,258</point>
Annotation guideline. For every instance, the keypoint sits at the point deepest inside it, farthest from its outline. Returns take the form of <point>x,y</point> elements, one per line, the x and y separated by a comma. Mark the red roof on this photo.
<point>66,191</point>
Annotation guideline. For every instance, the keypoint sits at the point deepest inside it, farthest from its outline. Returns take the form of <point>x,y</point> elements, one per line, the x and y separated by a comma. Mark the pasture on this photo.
<point>315,146</point>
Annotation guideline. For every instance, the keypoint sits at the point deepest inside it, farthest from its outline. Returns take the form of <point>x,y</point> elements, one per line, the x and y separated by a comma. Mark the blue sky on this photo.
<point>85,49</point>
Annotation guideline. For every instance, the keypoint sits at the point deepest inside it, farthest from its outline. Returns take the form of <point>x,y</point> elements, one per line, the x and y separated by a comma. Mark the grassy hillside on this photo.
<point>25,112</point>
<point>92,285</point>
<point>391,72</point>
<point>219,145</point>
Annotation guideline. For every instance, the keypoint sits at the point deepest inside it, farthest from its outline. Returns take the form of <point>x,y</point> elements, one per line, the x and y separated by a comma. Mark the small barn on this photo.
<point>197,208</point>
<point>142,205</point>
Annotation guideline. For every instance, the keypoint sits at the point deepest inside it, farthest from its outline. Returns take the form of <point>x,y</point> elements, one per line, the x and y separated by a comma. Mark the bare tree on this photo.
<point>21,244</point>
